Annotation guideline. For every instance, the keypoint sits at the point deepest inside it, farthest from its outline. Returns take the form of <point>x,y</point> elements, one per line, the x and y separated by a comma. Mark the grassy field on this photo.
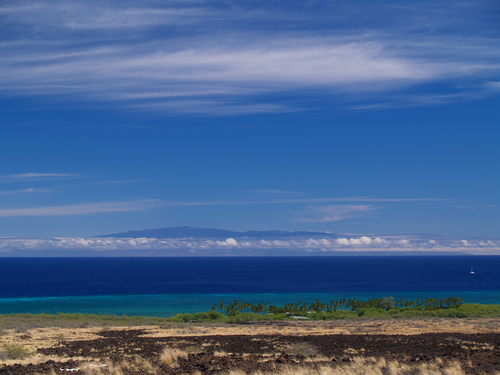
<point>26,347</point>
<point>24,339</point>
<point>358,366</point>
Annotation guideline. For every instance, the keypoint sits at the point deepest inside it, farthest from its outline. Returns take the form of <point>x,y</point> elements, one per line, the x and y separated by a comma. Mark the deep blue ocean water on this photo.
<point>166,286</point>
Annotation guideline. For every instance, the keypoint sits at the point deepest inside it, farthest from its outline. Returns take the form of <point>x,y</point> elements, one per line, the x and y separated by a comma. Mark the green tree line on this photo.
<point>351,304</point>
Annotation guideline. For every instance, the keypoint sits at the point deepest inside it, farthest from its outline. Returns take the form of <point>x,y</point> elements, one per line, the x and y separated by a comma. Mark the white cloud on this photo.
<point>231,246</point>
<point>202,57</point>
<point>228,242</point>
<point>23,191</point>
<point>274,192</point>
<point>335,213</point>
<point>355,241</point>
<point>321,214</point>
<point>432,242</point>
<point>342,241</point>
<point>135,73</point>
<point>365,240</point>
<point>344,208</point>
<point>39,175</point>
<point>82,209</point>
<point>318,242</point>
<point>91,16</point>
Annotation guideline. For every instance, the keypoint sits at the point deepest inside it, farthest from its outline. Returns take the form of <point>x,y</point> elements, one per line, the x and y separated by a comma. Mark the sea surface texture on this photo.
<point>166,286</point>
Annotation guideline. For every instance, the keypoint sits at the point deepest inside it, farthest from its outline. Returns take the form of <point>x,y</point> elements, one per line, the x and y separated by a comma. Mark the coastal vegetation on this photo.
<point>352,304</point>
<point>383,308</point>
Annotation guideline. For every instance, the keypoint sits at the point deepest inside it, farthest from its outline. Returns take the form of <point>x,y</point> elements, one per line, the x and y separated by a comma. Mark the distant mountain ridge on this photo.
<point>191,232</point>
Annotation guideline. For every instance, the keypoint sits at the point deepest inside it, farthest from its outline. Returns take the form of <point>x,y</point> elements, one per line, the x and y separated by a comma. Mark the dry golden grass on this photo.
<point>50,337</point>
<point>40,338</point>
<point>299,328</point>
<point>135,365</point>
<point>358,366</point>
<point>169,356</point>
<point>25,354</point>
<point>368,366</point>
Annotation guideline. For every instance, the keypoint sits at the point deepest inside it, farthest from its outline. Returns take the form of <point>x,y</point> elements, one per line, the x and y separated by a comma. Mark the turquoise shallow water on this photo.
<point>167,286</point>
<point>166,305</point>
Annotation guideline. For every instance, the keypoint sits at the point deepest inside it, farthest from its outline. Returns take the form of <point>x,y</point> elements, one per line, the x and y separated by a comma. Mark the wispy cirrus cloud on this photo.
<point>322,213</point>
<point>472,207</point>
<point>22,176</point>
<point>274,192</point>
<point>82,209</point>
<point>23,191</point>
<point>334,213</point>
<point>303,200</point>
<point>210,57</point>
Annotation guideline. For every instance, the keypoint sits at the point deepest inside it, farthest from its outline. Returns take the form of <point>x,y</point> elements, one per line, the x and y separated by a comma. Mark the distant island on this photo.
<point>191,232</point>
<point>184,241</point>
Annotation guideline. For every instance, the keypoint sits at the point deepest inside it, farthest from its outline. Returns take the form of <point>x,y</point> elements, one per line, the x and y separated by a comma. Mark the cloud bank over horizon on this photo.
<point>108,246</point>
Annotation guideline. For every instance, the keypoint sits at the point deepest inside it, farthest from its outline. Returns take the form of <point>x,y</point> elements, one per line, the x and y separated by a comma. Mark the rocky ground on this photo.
<point>264,347</point>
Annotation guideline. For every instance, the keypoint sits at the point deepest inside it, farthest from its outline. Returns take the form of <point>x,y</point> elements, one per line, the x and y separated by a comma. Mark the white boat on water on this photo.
<point>471,271</point>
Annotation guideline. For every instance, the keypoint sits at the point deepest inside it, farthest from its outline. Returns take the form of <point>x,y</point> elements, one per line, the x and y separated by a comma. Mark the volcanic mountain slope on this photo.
<point>191,232</point>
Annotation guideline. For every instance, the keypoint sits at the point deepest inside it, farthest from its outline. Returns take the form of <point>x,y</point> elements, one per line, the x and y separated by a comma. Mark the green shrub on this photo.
<point>375,313</point>
<point>194,349</point>
<point>336,315</point>
<point>304,349</point>
<point>247,317</point>
<point>15,351</point>
<point>476,310</point>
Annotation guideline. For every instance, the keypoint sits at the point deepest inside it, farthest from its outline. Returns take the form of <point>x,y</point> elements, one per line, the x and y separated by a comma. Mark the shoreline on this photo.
<point>355,314</point>
<point>168,305</point>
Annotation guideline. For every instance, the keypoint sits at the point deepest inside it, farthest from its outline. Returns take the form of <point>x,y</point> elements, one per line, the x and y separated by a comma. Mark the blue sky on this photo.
<point>375,117</point>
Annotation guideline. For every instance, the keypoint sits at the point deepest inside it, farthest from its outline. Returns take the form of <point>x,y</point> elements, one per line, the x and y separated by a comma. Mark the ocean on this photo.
<point>166,286</point>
